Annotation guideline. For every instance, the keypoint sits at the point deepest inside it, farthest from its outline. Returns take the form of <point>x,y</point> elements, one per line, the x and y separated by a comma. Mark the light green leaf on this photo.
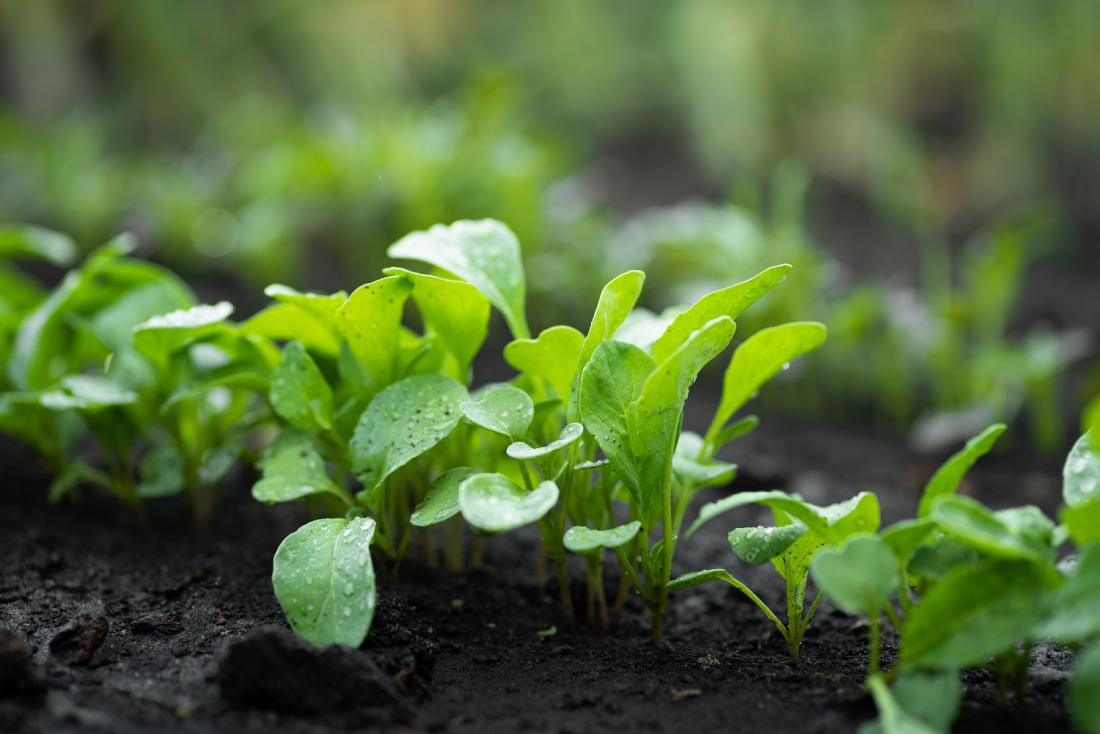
<point>1073,616</point>
<point>292,469</point>
<point>761,544</point>
<point>1022,533</point>
<point>322,306</point>
<point>859,575</point>
<point>611,381</point>
<point>1081,475</point>
<point>440,503</point>
<point>30,241</point>
<point>1084,702</point>
<point>522,451</point>
<point>654,418</point>
<point>324,580</point>
<point>454,309</point>
<point>503,409</point>
<point>904,537</point>
<point>694,474</point>
<point>402,422</point>
<point>370,321</point>
<point>760,358</point>
<point>734,431</point>
<point>86,393</point>
<point>643,328</point>
<point>729,302</point>
<point>494,503</point>
<point>835,523</point>
<point>616,302</point>
<point>484,253</point>
<point>1091,422</point>
<point>947,478</point>
<point>114,323</point>
<point>285,321</point>
<point>579,539</point>
<point>299,392</point>
<point>553,357</point>
<point>164,335</point>
<point>973,613</point>
<point>790,504</point>
<point>921,703</point>
<point>1082,522</point>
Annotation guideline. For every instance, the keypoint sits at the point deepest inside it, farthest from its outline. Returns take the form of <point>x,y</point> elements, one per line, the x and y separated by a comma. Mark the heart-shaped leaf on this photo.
<point>579,539</point>
<point>859,575</point>
<point>525,452</point>
<point>553,357</point>
<point>440,503</point>
<point>324,580</point>
<point>401,423</point>
<point>503,409</point>
<point>494,503</point>
<point>484,253</point>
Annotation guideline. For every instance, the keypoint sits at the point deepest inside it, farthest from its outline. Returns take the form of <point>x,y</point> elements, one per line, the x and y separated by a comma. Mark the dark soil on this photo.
<point>109,626</point>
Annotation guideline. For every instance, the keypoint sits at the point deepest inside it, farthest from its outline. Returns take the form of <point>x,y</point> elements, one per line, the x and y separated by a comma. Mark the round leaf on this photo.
<point>859,575</point>
<point>579,539</point>
<point>503,409</point>
<point>324,580</point>
<point>495,504</point>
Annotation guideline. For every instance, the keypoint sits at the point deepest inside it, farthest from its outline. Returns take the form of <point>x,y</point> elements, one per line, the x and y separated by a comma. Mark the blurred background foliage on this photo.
<point>930,168</point>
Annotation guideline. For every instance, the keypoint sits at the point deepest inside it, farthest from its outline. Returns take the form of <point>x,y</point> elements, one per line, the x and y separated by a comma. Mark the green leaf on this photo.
<point>402,422</point>
<point>86,393</point>
<point>1083,522</point>
<point>1084,703</point>
<point>1091,422</point>
<point>643,328</point>
<point>904,537</point>
<point>654,418</point>
<point>698,578</point>
<point>440,503</point>
<point>162,473</point>
<point>285,322</point>
<point>947,478</point>
<point>1081,475</point>
<point>921,703</point>
<point>321,306</point>
<point>324,580</point>
<point>114,323</point>
<point>494,503</point>
<point>1022,533</point>
<point>454,309</point>
<point>484,253</point>
<point>694,474</point>
<point>37,242</point>
<point>299,392</point>
<point>164,335</point>
<point>522,451</point>
<point>835,523</point>
<point>859,575</point>
<point>616,302</point>
<point>973,613</point>
<point>734,431</point>
<point>292,469</point>
<point>610,382</point>
<point>760,358</point>
<point>503,409</point>
<point>370,321</point>
<point>933,560</point>
<point>790,504</point>
<point>761,544</point>
<point>1073,608</point>
<point>579,539</point>
<point>728,302</point>
<point>553,357</point>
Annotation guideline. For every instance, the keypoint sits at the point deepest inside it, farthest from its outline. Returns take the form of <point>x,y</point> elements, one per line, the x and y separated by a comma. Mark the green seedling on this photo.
<point>801,531</point>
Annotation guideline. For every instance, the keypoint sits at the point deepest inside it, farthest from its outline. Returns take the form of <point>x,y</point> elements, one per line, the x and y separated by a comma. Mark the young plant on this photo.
<point>801,531</point>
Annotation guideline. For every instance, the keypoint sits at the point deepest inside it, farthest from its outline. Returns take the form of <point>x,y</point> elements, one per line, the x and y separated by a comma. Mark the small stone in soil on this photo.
<point>77,641</point>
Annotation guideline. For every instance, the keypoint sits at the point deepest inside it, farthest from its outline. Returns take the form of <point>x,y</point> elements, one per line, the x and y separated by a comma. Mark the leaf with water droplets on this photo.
<point>494,503</point>
<point>440,503</point>
<point>1081,475</point>
<point>484,253</point>
<point>324,580</point>
<point>859,575</point>
<point>525,452</point>
<point>947,478</point>
<point>553,357</point>
<point>299,392</point>
<point>503,409</point>
<point>580,539</point>
<point>760,358</point>
<point>370,321</point>
<point>760,544</point>
<point>162,336</point>
<point>402,422</point>
<point>292,469</point>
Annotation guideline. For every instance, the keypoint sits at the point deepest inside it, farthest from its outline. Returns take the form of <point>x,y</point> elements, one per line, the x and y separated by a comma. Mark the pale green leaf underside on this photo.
<point>579,539</point>
<point>324,580</point>
<point>493,503</point>
<point>525,452</point>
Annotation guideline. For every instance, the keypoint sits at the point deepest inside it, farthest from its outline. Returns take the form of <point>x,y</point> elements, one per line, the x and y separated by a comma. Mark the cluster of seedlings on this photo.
<point>121,379</point>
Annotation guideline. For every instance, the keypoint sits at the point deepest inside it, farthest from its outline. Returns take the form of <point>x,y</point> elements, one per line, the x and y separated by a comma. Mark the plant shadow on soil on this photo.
<point>109,626</point>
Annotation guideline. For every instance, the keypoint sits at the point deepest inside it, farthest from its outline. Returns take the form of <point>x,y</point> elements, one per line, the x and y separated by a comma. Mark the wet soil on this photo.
<point>108,626</point>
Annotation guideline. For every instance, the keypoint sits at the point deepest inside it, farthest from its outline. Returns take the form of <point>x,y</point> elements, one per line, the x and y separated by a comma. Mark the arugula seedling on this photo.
<point>802,530</point>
